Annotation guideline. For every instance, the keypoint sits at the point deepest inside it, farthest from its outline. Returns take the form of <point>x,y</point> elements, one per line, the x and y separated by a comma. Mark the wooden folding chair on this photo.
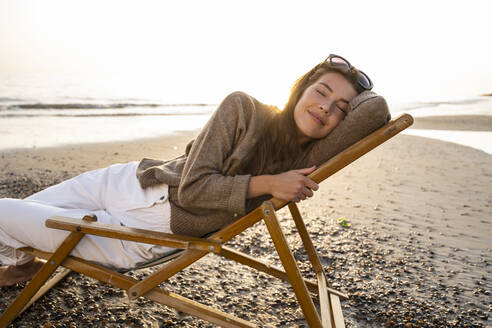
<point>196,248</point>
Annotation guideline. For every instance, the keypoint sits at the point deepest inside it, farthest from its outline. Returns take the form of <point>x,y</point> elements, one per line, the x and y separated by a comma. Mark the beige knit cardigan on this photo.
<point>205,191</point>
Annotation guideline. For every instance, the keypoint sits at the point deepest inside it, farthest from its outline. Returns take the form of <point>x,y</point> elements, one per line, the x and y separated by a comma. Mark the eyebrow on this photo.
<point>331,90</point>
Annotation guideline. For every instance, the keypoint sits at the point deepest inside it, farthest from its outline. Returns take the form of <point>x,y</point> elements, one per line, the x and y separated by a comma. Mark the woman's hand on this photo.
<point>292,185</point>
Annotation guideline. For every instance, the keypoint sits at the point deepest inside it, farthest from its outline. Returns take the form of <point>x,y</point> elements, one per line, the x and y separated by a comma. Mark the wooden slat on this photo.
<point>36,252</point>
<point>197,309</point>
<point>262,266</point>
<point>132,234</point>
<point>289,263</point>
<point>336,311</point>
<point>324,302</point>
<point>167,270</point>
<point>271,269</point>
<point>238,226</point>
<point>306,240</point>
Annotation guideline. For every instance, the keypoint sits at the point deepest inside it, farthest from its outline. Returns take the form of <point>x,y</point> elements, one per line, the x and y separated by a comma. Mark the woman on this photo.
<point>245,154</point>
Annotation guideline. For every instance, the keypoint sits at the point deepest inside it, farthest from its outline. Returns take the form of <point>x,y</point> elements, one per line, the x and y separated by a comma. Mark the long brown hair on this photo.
<point>278,148</point>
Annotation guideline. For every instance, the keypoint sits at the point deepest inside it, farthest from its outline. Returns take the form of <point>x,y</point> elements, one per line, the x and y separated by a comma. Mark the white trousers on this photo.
<point>113,194</point>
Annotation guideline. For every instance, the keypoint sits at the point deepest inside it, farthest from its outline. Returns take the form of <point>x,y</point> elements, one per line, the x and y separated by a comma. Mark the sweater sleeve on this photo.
<point>203,185</point>
<point>369,112</point>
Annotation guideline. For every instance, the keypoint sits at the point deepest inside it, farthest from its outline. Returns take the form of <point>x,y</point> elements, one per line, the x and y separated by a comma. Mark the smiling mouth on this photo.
<point>316,118</point>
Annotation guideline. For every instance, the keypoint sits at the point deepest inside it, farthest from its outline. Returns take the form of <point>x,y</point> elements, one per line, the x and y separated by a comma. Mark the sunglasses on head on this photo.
<point>364,80</point>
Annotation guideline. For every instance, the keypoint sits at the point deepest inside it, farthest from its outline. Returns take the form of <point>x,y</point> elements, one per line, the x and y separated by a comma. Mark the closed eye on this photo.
<point>341,109</point>
<point>321,92</point>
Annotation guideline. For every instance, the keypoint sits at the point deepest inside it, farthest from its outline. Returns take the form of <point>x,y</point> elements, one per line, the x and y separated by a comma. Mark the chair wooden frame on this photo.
<point>195,248</point>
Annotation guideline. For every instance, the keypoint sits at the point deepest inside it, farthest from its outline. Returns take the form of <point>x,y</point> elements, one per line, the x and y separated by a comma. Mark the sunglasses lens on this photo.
<point>338,61</point>
<point>364,81</point>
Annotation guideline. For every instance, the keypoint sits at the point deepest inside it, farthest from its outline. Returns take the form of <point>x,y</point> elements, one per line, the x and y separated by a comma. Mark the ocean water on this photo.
<point>44,110</point>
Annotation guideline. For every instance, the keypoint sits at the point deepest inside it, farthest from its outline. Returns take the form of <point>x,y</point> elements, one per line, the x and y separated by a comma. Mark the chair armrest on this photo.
<point>133,234</point>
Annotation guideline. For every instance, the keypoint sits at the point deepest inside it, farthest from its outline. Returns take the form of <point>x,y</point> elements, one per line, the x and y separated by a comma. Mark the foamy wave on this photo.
<point>95,106</point>
<point>95,110</point>
<point>7,99</point>
<point>22,114</point>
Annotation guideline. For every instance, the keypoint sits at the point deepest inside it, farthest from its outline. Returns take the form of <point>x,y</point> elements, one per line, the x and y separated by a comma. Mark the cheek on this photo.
<point>333,123</point>
<point>298,113</point>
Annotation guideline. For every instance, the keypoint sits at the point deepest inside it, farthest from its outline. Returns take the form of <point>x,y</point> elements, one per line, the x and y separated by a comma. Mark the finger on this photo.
<point>310,184</point>
<point>297,197</point>
<point>307,192</point>
<point>307,170</point>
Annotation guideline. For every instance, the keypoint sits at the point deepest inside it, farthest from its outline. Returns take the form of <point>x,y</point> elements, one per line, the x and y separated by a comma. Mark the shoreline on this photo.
<point>42,132</point>
<point>417,252</point>
<point>445,122</point>
<point>455,123</point>
<point>79,155</point>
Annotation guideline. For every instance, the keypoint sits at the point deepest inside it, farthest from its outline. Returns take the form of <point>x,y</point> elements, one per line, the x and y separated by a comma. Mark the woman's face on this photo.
<point>322,106</point>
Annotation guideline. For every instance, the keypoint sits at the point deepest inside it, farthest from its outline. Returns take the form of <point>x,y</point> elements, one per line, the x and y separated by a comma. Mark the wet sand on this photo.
<point>458,123</point>
<point>417,254</point>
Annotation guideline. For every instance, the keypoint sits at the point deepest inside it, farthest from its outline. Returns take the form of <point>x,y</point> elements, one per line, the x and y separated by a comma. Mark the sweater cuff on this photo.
<point>146,178</point>
<point>239,192</point>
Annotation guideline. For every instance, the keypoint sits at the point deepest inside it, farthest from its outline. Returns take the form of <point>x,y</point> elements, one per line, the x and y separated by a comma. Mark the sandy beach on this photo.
<point>418,252</point>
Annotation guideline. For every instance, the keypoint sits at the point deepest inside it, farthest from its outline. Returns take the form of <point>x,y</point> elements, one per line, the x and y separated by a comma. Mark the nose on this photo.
<point>325,107</point>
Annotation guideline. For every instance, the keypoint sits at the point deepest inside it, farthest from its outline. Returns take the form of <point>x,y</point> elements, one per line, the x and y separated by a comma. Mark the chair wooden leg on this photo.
<point>324,302</point>
<point>165,272</point>
<point>331,309</point>
<point>336,312</point>
<point>289,263</point>
<point>40,278</point>
<point>306,240</point>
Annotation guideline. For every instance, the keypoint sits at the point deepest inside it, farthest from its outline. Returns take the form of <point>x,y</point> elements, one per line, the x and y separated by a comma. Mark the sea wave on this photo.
<point>10,99</point>
<point>94,105</point>
<point>102,109</point>
<point>18,115</point>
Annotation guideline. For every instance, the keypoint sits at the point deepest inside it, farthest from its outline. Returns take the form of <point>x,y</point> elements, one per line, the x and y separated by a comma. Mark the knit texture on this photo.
<point>205,190</point>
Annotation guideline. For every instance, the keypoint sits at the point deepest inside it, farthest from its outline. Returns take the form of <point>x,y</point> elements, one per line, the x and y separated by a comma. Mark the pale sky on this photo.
<point>201,50</point>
